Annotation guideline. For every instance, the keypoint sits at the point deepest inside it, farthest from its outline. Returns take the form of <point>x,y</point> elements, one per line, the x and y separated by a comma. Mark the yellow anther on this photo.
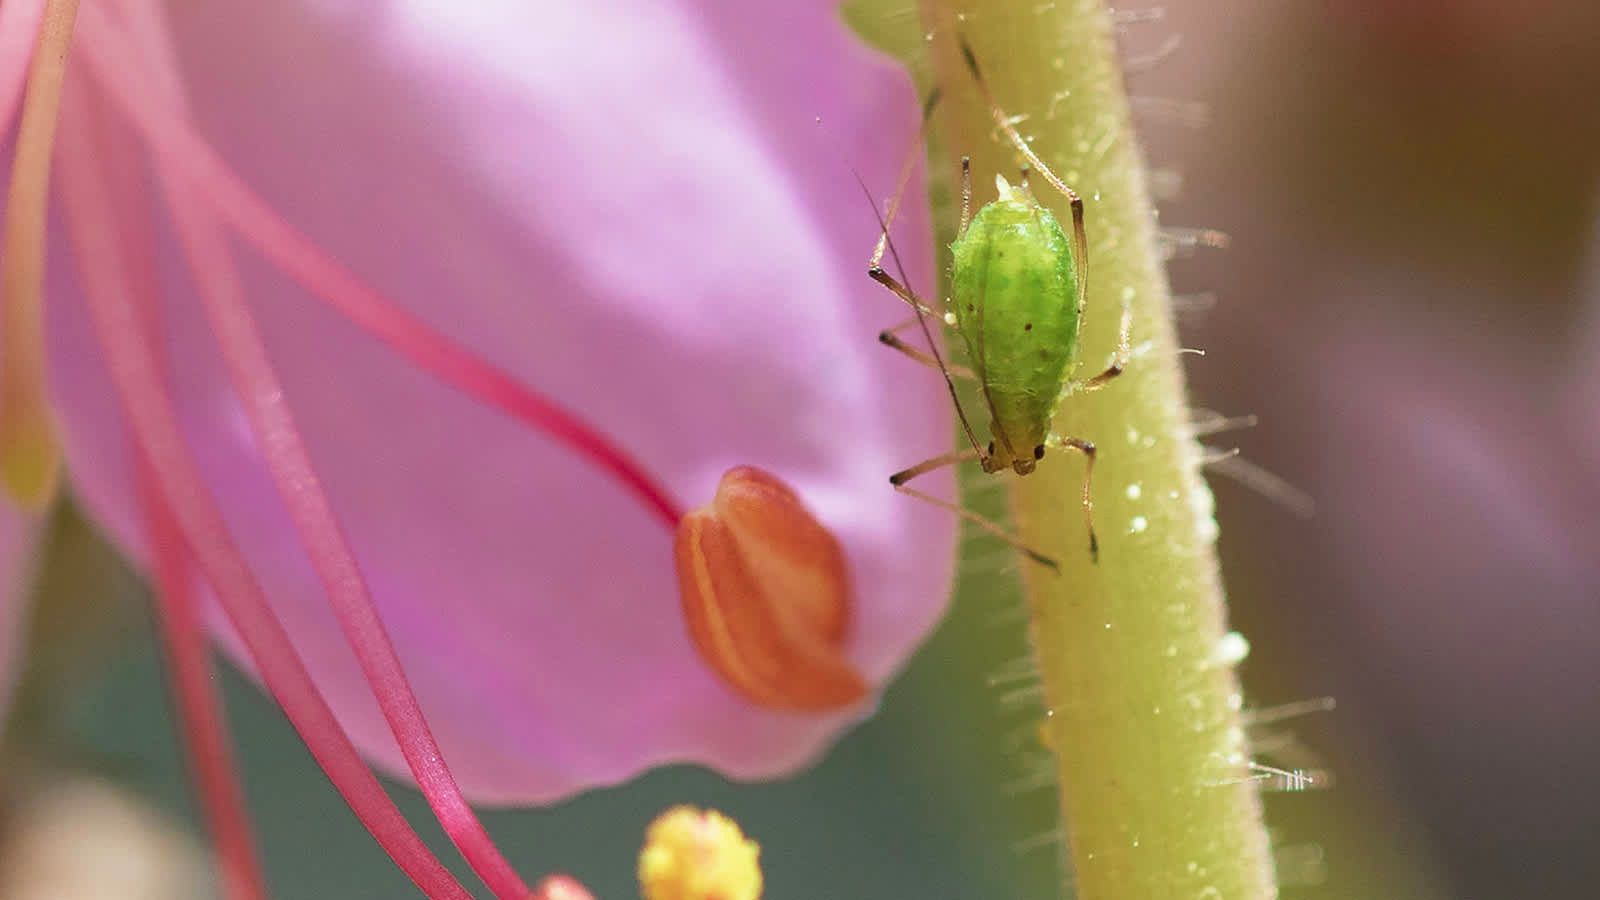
<point>693,854</point>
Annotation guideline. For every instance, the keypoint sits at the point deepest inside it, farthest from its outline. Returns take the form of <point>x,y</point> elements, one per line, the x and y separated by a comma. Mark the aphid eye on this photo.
<point>1028,326</point>
<point>991,448</point>
<point>1038,452</point>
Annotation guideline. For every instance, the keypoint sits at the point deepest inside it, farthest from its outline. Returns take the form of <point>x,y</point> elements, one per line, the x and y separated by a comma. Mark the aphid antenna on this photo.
<point>1014,121</point>
<point>901,287</point>
<point>904,177</point>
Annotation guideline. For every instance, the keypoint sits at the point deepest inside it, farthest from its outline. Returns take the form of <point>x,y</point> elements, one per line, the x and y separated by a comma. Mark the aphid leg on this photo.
<point>985,524</point>
<point>1088,451</point>
<point>1016,139</point>
<point>1118,362</point>
<point>897,287</point>
<point>901,181</point>
<point>888,338</point>
<point>899,480</point>
<point>904,293</point>
<point>876,273</point>
<point>937,462</point>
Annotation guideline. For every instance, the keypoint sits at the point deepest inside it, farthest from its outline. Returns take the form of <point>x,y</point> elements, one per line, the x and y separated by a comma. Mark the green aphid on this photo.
<point>1018,285</point>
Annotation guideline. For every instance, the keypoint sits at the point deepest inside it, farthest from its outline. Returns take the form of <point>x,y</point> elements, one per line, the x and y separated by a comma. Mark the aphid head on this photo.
<point>1022,465</point>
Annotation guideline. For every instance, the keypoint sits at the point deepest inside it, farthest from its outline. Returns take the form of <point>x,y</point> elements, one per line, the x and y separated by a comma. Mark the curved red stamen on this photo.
<point>262,396</point>
<point>204,730</point>
<point>202,723</point>
<point>135,373</point>
<point>301,491</point>
<point>189,157</point>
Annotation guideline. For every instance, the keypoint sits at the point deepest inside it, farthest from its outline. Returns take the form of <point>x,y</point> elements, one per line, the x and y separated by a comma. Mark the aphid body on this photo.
<point>1018,281</point>
<point>1016,300</point>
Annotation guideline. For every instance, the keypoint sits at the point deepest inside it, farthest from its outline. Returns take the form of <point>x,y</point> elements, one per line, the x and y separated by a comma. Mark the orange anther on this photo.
<point>766,594</point>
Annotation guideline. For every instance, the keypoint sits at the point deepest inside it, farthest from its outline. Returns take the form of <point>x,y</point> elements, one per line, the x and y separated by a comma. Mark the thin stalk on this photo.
<point>1137,663</point>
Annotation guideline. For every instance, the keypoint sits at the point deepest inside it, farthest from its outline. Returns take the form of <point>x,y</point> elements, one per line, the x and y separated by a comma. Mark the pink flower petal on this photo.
<point>631,210</point>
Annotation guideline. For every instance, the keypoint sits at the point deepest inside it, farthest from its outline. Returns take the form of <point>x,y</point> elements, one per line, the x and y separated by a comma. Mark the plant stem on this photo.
<point>1136,662</point>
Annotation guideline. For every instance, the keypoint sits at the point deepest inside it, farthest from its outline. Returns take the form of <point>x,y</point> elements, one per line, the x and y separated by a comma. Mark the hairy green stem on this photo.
<point>1136,661</point>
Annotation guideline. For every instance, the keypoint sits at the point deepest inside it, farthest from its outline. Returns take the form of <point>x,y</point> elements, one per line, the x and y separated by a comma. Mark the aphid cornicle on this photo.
<point>1019,284</point>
